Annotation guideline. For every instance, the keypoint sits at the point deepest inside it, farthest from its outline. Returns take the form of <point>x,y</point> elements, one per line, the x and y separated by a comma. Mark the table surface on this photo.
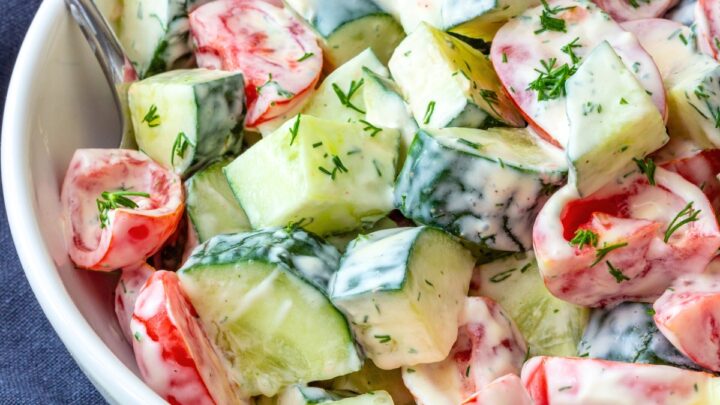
<point>35,367</point>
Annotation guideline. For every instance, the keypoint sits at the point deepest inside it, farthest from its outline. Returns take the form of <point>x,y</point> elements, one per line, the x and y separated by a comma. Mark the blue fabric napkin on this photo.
<point>35,367</point>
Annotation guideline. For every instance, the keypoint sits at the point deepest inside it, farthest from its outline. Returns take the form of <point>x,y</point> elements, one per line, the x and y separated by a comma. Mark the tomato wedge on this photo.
<point>567,380</point>
<point>279,57</point>
<point>688,314</point>
<point>645,236</point>
<point>707,19</point>
<point>624,10</point>
<point>522,46</point>
<point>701,169</point>
<point>506,390</point>
<point>119,207</point>
<point>488,346</point>
<point>132,278</point>
<point>175,357</point>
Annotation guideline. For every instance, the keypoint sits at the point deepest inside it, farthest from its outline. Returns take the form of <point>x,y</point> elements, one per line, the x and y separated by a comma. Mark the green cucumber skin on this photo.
<point>628,334</point>
<point>328,16</point>
<point>426,198</point>
<point>224,100</point>
<point>278,246</point>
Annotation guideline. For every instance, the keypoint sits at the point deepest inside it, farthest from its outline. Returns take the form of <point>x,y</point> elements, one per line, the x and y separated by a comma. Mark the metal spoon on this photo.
<point>116,66</point>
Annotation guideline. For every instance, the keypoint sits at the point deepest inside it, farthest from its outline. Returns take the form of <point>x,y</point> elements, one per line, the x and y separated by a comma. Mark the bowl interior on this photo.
<point>58,102</point>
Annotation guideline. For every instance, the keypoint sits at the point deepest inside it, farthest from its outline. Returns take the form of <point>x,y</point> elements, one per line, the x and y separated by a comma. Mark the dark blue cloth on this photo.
<point>35,367</point>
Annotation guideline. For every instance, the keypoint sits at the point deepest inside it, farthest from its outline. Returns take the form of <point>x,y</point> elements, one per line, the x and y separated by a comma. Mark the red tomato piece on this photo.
<point>624,10</point>
<point>688,314</point>
<point>131,280</point>
<point>267,44</point>
<point>701,169</point>
<point>631,259</point>
<point>573,381</point>
<point>174,355</point>
<point>129,235</point>
<point>506,390</point>
<point>707,19</point>
<point>520,48</point>
<point>488,346</point>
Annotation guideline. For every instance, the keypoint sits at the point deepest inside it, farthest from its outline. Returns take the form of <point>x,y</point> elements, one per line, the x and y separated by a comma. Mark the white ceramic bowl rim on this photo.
<point>116,382</point>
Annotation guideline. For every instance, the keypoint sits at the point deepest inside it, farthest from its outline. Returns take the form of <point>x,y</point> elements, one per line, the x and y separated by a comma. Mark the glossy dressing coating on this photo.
<point>131,234</point>
<point>132,278</point>
<point>266,43</point>
<point>631,212</point>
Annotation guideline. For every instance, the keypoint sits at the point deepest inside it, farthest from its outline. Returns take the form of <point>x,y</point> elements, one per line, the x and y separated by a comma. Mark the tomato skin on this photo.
<point>130,235</point>
<point>701,169</point>
<point>572,380</point>
<point>132,279</point>
<point>265,42</point>
<point>506,390</point>
<point>707,17</point>
<point>688,314</point>
<point>174,355</point>
<point>634,216</point>
<point>622,10</point>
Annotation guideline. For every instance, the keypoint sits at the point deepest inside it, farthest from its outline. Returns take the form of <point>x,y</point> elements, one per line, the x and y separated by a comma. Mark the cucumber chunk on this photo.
<point>211,205</point>
<point>302,395</point>
<point>612,120</point>
<point>385,108</point>
<point>402,290</point>
<point>371,378</point>
<point>155,35</point>
<point>371,398</point>
<point>260,297</point>
<point>485,186</point>
<point>329,101</point>
<point>347,27</point>
<point>332,177</point>
<point>186,118</point>
<point>628,333</point>
<point>551,327</point>
<point>448,83</point>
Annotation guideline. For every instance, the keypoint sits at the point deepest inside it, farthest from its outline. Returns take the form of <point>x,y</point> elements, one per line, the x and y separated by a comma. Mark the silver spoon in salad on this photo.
<point>116,66</point>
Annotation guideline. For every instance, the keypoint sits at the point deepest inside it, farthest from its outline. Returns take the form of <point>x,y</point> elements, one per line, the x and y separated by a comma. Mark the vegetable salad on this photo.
<point>426,202</point>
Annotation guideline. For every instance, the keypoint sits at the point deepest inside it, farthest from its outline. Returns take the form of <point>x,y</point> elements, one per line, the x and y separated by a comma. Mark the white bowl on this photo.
<point>58,101</point>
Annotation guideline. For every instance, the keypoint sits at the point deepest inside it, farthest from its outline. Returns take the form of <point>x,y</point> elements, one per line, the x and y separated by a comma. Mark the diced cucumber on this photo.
<point>371,378</point>
<point>260,297</point>
<point>694,103</point>
<point>551,327</point>
<point>485,186</point>
<point>471,18</point>
<point>302,395</point>
<point>347,27</point>
<point>385,108</point>
<point>402,290</point>
<point>612,120</point>
<point>448,83</point>
<point>210,203</point>
<point>340,96</point>
<point>155,35</point>
<point>628,333</point>
<point>184,119</point>
<point>332,177</point>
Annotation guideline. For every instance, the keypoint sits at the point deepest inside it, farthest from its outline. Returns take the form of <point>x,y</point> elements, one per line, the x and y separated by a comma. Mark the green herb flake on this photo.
<point>294,129</point>
<point>383,338</point>
<point>377,168</point>
<point>502,276</point>
<point>467,371</point>
<point>647,167</point>
<point>603,251</point>
<point>584,237</point>
<point>306,56</point>
<point>151,117</point>
<point>280,91</point>
<point>550,83</point>
<point>345,98</point>
<point>504,57</point>
<point>137,336</point>
<point>617,273</point>
<point>110,200</point>
<point>469,143</point>
<point>569,49</point>
<point>370,128</point>
<point>550,23</point>
<point>317,144</point>
<point>179,147</point>
<point>429,112</point>
<point>567,387</point>
<point>623,101</point>
<point>685,216</point>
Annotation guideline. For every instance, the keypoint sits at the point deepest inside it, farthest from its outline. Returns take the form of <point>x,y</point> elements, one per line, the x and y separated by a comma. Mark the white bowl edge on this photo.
<point>113,379</point>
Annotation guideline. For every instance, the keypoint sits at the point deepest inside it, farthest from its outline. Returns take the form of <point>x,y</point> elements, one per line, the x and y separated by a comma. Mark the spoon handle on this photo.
<point>116,66</point>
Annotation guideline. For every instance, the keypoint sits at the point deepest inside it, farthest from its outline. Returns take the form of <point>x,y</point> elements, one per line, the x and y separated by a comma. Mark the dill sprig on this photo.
<point>345,98</point>
<point>179,147</point>
<point>550,83</point>
<point>569,49</point>
<point>617,273</point>
<point>647,167</point>
<point>151,117</point>
<point>685,216</point>
<point>603,251</point>
<point>110,200</point>
<point>550,23</point>
<point>584,237</point>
